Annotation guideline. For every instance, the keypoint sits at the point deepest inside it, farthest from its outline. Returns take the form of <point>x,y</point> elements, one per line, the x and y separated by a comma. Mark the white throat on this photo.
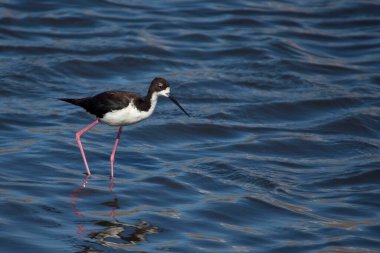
<point>164,93</point>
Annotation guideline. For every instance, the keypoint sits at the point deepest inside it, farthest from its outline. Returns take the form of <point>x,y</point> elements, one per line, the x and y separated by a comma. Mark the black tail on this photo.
<point>73,101</point>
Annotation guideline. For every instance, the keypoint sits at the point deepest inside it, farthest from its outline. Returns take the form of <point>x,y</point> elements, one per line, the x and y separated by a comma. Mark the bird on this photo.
<point>121,108</point>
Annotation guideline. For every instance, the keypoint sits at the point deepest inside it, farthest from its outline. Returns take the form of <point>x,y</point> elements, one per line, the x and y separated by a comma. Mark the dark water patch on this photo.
<point>30,7</point>
<point>195,37</point>
<point>194,132</point>
<point>234,174</point>
<point>319,68</point>
<point>236,52</point>
<point>106,68</point>
<point>297,147</point>
<point>369,177</point>
<point>349,124</point>
<point>53,22</point>
<point>300,110</point>
<point>205,181</point>
<point>350,24</point>
<point>241,22</point>
<point>376,79</point>
<point>290,49</point>
<point>352,50</point>
<point>168,183</point>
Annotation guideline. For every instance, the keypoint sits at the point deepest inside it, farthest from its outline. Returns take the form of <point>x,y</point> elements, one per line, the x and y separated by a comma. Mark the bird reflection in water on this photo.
<point>117,234</point>
<point>114,233</point>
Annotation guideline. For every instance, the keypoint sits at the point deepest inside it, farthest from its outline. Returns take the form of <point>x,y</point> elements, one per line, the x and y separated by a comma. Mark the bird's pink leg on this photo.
<point>78,135</point>
<point>112,158</point>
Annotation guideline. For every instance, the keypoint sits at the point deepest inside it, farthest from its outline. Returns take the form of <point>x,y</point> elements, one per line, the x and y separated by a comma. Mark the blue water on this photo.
<point>281,154</point>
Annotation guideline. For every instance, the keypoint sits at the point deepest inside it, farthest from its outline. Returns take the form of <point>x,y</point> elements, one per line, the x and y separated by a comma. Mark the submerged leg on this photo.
<point>78,135</point>
<point>112,158</point>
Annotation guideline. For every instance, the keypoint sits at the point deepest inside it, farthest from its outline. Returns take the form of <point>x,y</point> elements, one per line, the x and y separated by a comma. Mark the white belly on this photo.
<point>126,116</point>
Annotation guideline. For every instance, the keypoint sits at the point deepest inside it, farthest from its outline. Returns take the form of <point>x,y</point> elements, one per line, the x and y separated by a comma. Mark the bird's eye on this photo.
<point>160,85</point>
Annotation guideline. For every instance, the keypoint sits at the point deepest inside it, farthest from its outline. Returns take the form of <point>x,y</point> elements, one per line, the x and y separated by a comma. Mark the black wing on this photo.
<point>104,102</point>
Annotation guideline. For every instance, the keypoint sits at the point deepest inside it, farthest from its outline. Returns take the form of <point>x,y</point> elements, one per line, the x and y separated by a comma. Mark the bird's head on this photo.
<point>162,88</point>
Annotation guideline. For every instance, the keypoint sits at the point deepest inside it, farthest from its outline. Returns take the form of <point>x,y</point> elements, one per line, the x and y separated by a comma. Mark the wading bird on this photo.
<point>121,108</point>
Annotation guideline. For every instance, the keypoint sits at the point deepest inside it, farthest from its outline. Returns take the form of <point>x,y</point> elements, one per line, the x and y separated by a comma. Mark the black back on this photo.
<point>102,103</point>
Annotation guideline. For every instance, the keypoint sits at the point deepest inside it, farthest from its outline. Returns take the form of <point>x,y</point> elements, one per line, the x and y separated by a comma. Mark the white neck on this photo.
<point>153,101</point>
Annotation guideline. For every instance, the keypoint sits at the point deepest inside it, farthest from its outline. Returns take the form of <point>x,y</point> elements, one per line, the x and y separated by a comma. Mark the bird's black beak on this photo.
<point>176,102</point>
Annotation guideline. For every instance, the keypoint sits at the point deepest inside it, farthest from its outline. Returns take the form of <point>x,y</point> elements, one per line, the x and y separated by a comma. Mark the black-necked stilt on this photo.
<point>120,108</point>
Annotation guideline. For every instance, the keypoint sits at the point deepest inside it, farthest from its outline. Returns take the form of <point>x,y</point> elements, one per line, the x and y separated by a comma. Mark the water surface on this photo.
<point>281,154</point>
